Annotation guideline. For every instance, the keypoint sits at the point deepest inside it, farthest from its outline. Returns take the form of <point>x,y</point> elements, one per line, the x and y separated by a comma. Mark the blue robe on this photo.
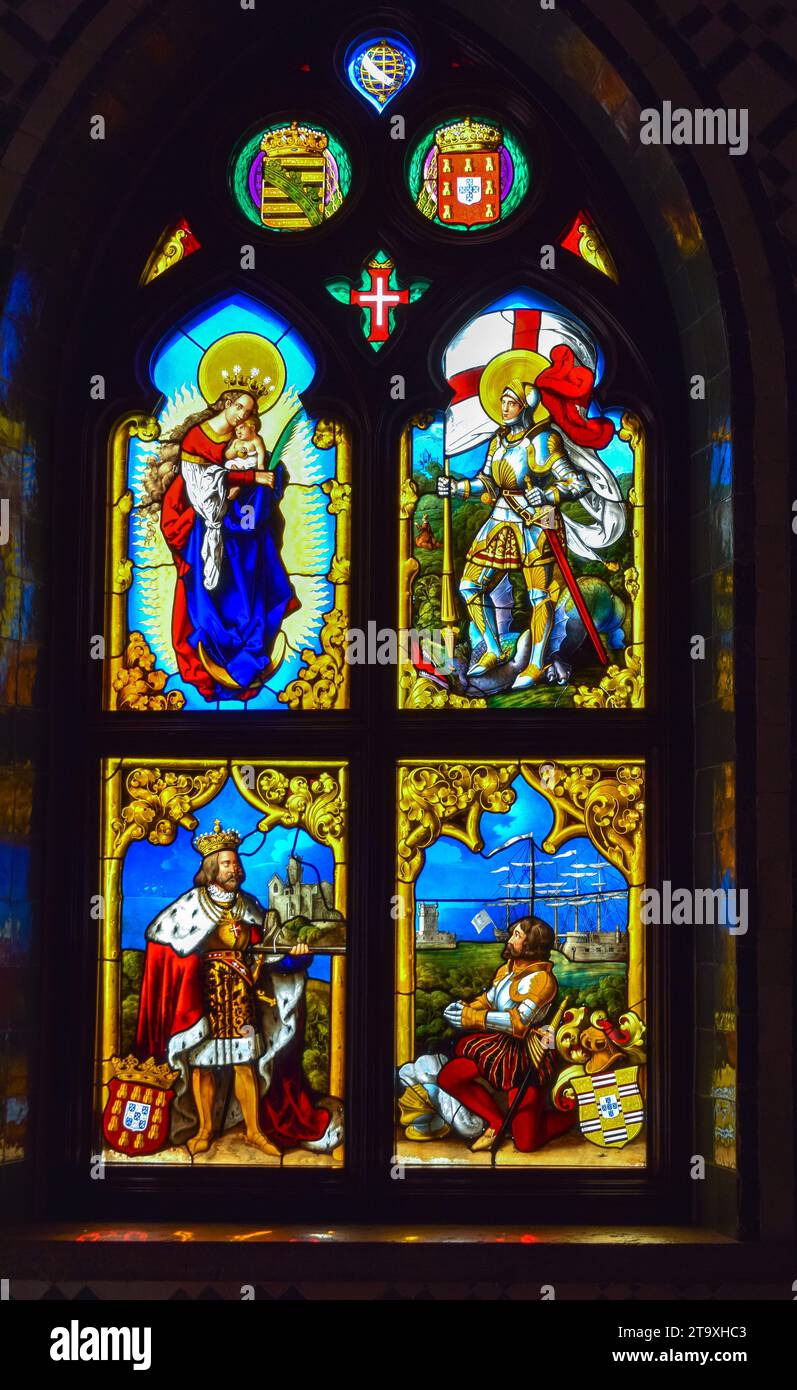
<point>237,622</point>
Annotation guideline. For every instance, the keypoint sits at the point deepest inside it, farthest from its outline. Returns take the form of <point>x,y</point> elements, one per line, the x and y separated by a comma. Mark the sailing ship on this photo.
<point>582,946</point>
<point>593,944</point>
<point>584,903</point>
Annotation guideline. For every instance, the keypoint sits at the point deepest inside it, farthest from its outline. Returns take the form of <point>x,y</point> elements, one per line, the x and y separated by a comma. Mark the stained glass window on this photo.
<point>517,536</point>
<point>378,295</point>
<point>379,68</point>
<point>520,964</point>
<point>173,245</point>
<point>290,177</point>
<point>221,1032</point>
<point>521,520</point>
<point>583,239</point>
<point>467,173</point>
<point>228,563</point>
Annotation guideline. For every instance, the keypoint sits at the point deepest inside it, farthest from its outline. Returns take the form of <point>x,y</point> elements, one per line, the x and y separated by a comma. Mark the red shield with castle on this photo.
<point>469,187</point>
<point>136,1117</point>
<point>469,173</point>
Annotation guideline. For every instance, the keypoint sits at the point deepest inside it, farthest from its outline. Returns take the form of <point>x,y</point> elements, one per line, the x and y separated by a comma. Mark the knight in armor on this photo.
<point>542,456</point>
<point>527,474</point>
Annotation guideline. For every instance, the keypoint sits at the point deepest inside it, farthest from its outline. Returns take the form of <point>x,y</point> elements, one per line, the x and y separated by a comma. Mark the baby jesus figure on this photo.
<point>248,446</point>
<point>211,487</point>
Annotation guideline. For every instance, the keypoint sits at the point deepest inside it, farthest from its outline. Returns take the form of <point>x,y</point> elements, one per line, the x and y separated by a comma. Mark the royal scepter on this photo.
<point>280,948</point>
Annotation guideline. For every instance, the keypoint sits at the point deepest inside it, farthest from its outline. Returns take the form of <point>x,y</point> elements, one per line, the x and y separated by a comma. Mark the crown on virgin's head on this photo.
<point>251,381</point>
<point>216,839</point>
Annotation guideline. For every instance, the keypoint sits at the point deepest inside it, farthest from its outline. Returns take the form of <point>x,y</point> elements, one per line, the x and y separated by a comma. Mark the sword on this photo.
<point>575,593</point>
<point>538,519</point>
<point>525,1083</point>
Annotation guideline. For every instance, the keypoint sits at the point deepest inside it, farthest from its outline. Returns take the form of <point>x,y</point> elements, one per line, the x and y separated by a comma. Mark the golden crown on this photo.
<point>217,839</point>
<point>148,1073</point>
<point>239,379</point>
<point>469,135</point>
<point>293,139</point>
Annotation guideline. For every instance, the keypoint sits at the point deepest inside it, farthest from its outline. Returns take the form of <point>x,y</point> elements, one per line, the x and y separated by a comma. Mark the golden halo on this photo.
<point>243,362</point>
<point>518,364</point>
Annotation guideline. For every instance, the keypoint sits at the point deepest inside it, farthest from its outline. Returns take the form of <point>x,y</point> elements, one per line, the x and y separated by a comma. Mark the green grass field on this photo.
<point>467,971</point>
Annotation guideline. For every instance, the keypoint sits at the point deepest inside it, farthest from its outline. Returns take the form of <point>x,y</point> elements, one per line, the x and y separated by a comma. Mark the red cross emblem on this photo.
<point>378,296</point>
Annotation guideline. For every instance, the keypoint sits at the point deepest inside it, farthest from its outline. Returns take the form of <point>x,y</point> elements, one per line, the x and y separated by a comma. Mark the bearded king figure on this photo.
<point>201,1012</point>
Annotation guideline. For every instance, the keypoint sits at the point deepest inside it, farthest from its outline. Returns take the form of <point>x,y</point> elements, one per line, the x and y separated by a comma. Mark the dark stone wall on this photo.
<point>725,234</point>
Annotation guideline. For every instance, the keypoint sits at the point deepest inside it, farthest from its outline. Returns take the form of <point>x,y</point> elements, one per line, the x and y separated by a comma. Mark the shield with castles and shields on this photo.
<point>610,1108</point>
<point>135,1120</point>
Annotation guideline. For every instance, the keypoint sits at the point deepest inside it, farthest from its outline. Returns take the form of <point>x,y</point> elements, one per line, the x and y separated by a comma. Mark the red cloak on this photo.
<point>172,1001</point>
<point>566,390</point>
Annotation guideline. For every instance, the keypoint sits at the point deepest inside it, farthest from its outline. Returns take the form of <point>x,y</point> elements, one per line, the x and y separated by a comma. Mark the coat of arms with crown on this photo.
<point>136,1117</point>
<point>294,188</point>
<point>469,172</point>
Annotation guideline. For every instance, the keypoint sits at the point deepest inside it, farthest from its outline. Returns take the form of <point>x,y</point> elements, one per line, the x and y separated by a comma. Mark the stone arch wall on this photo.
<point>723,230</point>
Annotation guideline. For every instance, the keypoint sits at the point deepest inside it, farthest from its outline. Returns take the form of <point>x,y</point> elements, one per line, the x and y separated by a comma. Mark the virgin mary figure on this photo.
<point>220,519</point>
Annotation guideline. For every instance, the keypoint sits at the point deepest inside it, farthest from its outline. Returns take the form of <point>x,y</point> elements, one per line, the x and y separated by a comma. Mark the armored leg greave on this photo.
<point>476,585</point>
<point>542,599</point>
